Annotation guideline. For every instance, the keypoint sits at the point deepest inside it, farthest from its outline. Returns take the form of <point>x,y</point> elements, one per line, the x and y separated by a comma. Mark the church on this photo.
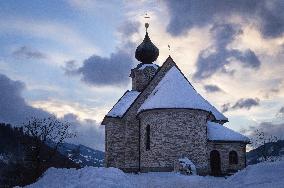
<point>163,118</point>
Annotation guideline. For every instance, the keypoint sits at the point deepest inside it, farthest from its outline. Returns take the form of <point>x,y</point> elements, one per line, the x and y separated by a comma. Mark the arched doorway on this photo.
<point>215,163</point>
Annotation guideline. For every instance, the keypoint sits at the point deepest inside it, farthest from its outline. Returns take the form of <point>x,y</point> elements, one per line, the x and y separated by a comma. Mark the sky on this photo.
<point>72,58</point>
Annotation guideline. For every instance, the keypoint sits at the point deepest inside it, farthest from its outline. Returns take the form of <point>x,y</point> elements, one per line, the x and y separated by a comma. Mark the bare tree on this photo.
<point>262,141</point>
<point>42,141</point>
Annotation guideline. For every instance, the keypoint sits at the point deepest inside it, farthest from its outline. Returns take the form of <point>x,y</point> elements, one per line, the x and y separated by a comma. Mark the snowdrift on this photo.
<point>263,175</point>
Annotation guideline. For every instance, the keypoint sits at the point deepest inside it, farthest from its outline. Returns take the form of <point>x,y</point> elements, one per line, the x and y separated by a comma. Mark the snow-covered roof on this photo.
<point>149,65</point>
<point>123,104</point>
<point>218,132</point>
<point>174,91</point>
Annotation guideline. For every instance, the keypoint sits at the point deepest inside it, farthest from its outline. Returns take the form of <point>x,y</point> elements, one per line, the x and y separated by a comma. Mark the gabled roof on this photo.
<point>123,104</point>
<point>174,91</point>
<point>218,132</point>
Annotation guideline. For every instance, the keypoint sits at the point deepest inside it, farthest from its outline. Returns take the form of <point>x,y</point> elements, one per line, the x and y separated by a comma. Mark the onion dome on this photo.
<point>146,52</point>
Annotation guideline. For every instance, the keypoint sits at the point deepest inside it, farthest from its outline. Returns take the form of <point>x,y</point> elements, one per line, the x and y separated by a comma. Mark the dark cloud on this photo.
<point>225,107</point>
<point>113,70</point>
<point>212,88</point>
<point>241,104</point>
<point>246,103</point>
<point>13,108</point>
<point>28,53</point>
<point>69,67</point>
<point>218,56</point>
<point>268,16</point>
<point>88,132</point>
<point>102,71</point>
<point>281,112</point>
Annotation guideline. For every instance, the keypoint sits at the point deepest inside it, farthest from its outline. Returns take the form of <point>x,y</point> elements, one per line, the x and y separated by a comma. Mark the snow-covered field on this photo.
<point>262,175</point>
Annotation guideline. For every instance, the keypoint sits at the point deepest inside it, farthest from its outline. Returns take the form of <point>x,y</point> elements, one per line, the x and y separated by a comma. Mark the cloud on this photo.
<point>88,132</point>
<point>13,107</point>
<point>281,112</point>
<point>28,53</point>
<point>15,110</point>
<point>113,70</point>
<point>225,107</point>
<point>247,103</point>
<point>69,67</point>
<point>267,16</point>
<point>268,128</point>
<point>102,71</point>
<point>218,56</point>
<point>212,88</point>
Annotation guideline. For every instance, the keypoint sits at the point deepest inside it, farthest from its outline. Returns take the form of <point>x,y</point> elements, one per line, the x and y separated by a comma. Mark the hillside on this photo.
<point>262,175</point>
<point>82,155</point>
<point>275,151</point>
<point>15,164</point>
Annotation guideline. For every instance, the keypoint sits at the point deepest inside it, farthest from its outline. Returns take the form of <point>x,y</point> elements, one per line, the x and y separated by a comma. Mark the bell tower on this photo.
<point>146,53</point>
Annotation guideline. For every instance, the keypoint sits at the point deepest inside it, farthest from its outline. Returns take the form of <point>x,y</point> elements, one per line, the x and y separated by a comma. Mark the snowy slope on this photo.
<point>174,91</point>
<point>263,175</point>
<point>82,155</point>
<point>217,132</point>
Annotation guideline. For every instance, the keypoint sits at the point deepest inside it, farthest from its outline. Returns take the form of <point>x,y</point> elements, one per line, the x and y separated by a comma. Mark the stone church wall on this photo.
<point>224,148</point>
<point>114,144</point>
<point>174,133</point>
<point>131,147</point>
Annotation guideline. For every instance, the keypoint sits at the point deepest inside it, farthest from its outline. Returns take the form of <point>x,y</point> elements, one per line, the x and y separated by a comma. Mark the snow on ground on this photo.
<point>263,175</point>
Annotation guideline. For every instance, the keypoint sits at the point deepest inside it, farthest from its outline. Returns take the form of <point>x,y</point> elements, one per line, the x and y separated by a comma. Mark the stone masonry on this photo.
<point>174,133</point>
<point>224,149</point>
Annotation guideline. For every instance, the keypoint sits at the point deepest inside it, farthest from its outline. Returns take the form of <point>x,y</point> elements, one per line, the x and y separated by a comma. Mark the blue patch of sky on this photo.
<point>98,26</point>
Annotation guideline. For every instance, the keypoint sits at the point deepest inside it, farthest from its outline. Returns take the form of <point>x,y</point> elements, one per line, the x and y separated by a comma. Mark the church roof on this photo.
<point>174,91</point>
<point>218,132</point>
<point>123,104</point>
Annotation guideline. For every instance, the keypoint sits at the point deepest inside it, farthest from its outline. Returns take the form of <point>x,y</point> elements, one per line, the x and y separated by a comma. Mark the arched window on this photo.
<point>233,157</point>
<point>147,137</point>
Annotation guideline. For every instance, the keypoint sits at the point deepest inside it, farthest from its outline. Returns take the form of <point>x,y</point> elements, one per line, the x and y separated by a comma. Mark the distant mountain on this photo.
<point>275,151</point>
<point>83,155</point>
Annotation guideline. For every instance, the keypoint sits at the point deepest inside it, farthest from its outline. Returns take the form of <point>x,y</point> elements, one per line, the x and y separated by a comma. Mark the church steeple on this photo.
<point>147,52</point>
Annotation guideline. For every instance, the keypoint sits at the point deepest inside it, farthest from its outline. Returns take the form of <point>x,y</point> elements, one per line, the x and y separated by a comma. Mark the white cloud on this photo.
<point>61,108</point>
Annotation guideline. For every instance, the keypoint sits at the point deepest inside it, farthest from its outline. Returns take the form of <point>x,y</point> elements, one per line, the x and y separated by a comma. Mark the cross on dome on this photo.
<point>146,52</point>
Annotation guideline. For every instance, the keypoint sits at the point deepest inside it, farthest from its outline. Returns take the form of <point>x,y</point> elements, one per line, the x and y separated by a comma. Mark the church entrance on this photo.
<point>215,163</point>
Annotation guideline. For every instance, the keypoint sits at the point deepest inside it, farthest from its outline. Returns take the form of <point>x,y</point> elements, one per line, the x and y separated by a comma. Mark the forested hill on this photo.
<point>273,151</point>
<point>14,162</point>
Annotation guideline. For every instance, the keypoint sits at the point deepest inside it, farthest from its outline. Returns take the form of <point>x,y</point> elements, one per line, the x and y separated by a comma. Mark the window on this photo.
<point>147,137</point>
<point>233,157</point>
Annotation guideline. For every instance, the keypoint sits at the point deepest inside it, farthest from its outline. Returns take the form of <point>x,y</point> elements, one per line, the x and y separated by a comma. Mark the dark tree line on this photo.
<point>28,151</point>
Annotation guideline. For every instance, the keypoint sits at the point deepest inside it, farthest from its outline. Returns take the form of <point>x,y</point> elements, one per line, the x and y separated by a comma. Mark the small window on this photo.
<point>233,157</point>
<point>147,137</point>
